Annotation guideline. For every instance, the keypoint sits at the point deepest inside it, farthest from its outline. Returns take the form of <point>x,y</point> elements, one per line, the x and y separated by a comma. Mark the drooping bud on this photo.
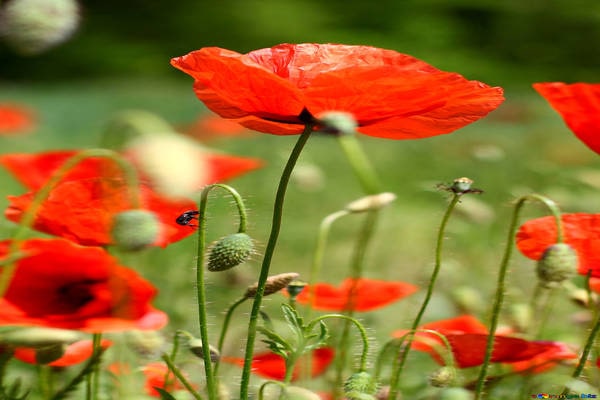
<point>33,26</point>
<point>373,202</point>
<point>230,251</point>
<point>558,263</point>
<point>45,355</point>
<point>360,386</point>
<point>195,346</point>
<point>135,229</point>
<point>337,123</point>
<point>442,377</point>
<point>274,284</point>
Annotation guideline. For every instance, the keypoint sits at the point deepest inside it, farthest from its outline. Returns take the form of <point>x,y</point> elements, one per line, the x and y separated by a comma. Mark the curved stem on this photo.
<point>436,269</point>
<point>28,217</point>
<point>173,368</point>
<point>499,297</point>
<point>270,249</point>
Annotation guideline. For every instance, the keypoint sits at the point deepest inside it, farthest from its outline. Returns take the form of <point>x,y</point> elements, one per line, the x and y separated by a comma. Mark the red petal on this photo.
<point>579,106</point>
<point>75,353</point>
<point>556,353</point>
<point>223,167</point>
<point>581,231</point>
<point>15,119</point>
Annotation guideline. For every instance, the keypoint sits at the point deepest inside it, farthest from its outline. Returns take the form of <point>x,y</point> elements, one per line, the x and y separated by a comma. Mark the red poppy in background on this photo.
<point>211,126</point>
<point>581,231</point>
<point>15,119</point>
<point>391,95</point>
<point>82,206</point>
<point>579,106</point>
<point>60,284</point>
<point>468,340</point>
<point>356,294</point>
<point>155,373</point>
<point>272,366</point>
<point>75,353</point>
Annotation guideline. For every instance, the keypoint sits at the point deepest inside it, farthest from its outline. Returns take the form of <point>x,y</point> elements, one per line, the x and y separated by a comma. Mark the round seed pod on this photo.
<point>360,386</point>
<point>230,251</point>
<point>558,263</point>
<point>135,229</point>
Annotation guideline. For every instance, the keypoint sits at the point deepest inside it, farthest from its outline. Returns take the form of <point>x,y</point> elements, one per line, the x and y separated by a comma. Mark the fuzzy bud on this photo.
<point>195,346</point>
<point>558,263</point>
<point>33,26</point>
<point>273,285</point>
<point>442,377</point>
<point>230,251</point>
<point>135,229</point>
<point>337,123</point>
<point>373,202</point>
<point>360,386</point>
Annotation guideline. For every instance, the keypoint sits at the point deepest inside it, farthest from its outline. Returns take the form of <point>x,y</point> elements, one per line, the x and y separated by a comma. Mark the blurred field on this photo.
<point>521,148</point>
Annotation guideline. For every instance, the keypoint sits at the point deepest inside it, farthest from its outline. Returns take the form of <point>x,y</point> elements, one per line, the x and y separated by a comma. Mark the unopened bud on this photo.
<point>360,386</point>
<point>461,185</point>
<point>295,288</point>
<point>558,263</point>
<point>373,202</point>
<point>37,337</point>
<point>337,123</point>
<point>520,315</point>
<point>273,285</point>
<point>230,251</point>
<point>45,355</point>
<point>135,229</point>
<point>195,346</point>
<point>442,377</point>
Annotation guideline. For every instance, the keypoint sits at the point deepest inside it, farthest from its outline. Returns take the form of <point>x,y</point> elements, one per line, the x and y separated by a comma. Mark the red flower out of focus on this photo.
<point>81,207</point>
<point>468,340</point>
<point>579,106</point>
<point>272,366</point>
<point>211,126</point>
<point>155,378</point>
<point>75,353</point>
<point>356,294</point>
<point>391,95</point>
<point>581,231</point>
<point>59,284</point>
<point>15,119</point>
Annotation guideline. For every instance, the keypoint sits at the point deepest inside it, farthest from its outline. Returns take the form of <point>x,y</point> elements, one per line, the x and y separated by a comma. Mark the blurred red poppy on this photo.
<point>60,284</point>
<point>155,373</point>
<point>356,294</point>
<point>211,126</point>
<point>272,366</point>
<point>391,95</point>
<point>15,119</point>
<point>82,206</point>
<point>581,231</point>
<point>75,353</point>
<point>579,106</point>
<point>468,339</point>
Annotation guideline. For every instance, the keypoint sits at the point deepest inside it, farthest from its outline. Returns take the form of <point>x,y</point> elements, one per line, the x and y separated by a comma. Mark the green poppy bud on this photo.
<point>558,263</point>
<point>195,346</point>
<point>442,377</point>
<point>360,386</point>
<point>230,251</point>
<point>135,229</point>
<point>337,123</point>
<point>295,287</point>
<point>33,26</point>
<point>45,355</point>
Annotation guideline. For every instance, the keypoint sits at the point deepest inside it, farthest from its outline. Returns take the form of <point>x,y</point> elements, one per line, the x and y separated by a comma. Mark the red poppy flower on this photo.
<point>82,206</point>
<point>581,231</point>
<point>357,294</point>
<point>155,373</point>
<point>75,353</point>
<point>60,284</point>
<point>15,119</point>
<point>272,366</point>
<point>579,106</point>
<point>468,339</point>
<point>211,126</point>
<point>391,95</point>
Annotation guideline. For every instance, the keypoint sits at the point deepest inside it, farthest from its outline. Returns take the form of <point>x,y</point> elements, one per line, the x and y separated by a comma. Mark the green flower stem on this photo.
<point>224,329</point>
<point>270,249</point>
<point>211,385</point>
<point>174,351</point>
<point>499,297</point>
<point>28,217</point>
<point>94,380</point>
<point>394,384</point>
<point>360,164</point>
<point>173,368</point>
<point>589,344</point>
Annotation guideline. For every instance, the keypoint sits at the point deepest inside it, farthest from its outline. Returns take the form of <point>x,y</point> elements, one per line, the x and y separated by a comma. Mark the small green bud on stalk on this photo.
<point>442,377</point>
<point>274,284</point>
<point>230,251</point>
<point>195,346</point>
<point>557,264</point>
<point>48,354</point>
<point>360,386</point>
<point>135,229</point>
<point>295,288</point>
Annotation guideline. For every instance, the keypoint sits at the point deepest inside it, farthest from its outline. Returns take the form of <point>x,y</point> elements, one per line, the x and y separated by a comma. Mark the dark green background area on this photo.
<point>490,40</point>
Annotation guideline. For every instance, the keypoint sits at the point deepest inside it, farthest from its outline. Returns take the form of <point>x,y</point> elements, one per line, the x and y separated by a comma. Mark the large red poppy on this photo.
<point>579,106</point>
<point>83,205</point>
<point>15,119</point>
<point>60,284</point>
<point>357,294</point>
<point>75,353</point>
<point>272,366</point>
<point>468,340</point>
<point>581,231</point>
<point>391,95</point>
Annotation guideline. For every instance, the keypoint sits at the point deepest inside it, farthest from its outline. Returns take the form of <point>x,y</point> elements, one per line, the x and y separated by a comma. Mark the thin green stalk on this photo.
<point>270,249</point>
<point>211,385</point>
<point>224,329</point>
<point>434,275</point>
<point>173,368</point>
<point>360,164</point>
<point>589,344</point>
<point>28,217</point>
<point>500,288</point>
